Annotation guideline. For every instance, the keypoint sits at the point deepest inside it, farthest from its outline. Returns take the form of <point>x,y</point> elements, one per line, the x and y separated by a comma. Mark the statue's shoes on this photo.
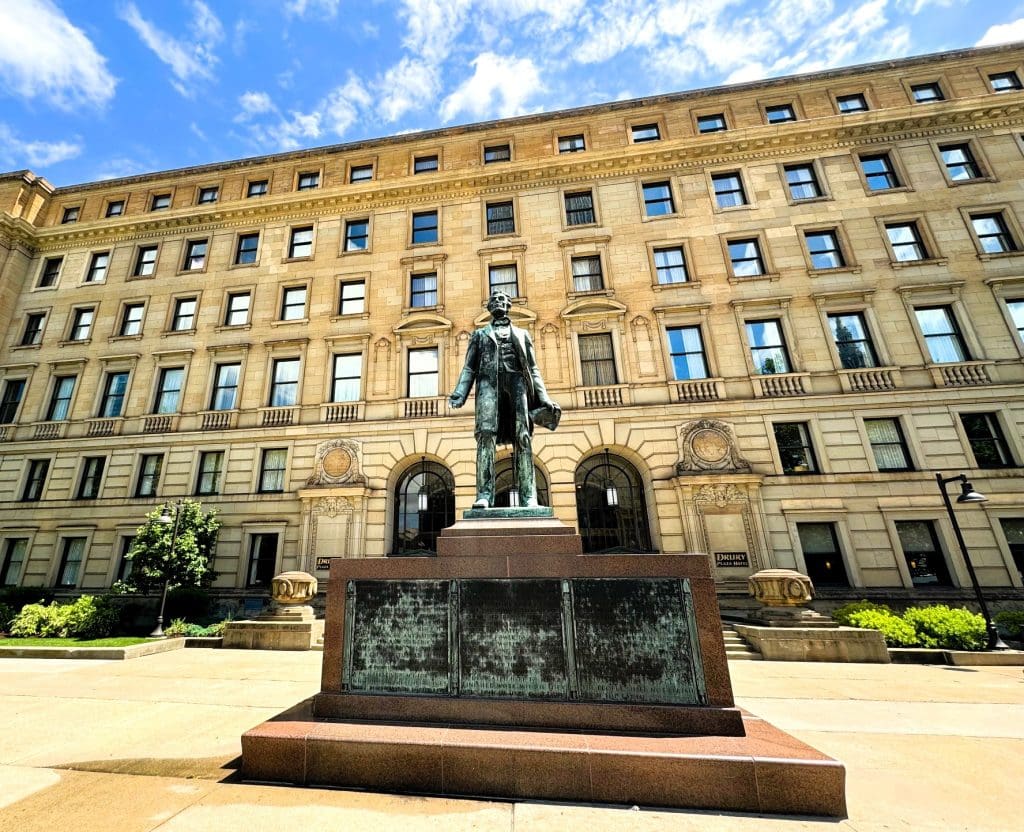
<point>483,502</point>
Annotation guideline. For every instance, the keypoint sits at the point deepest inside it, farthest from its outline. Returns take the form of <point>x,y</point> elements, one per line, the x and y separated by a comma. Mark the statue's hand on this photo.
<point>456,400</point>
<point>551,405</point>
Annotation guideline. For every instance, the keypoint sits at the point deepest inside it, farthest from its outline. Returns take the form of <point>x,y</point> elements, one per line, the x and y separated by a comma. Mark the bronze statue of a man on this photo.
<point>510,398</point>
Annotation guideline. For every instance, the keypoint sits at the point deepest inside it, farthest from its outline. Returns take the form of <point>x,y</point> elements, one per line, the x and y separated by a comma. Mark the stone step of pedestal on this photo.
<point>736,649</point>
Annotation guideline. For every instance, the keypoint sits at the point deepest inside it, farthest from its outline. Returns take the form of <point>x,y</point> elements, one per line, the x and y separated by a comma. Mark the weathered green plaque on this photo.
<point>636,641</point>
<point>397,636</point>
<point>512,640</point>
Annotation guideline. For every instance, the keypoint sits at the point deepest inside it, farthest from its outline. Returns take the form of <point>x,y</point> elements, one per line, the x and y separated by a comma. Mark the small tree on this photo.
<point>190,564</point>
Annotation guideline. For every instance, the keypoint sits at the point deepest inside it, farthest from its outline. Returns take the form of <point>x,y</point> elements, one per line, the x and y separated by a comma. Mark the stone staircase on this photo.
<point>736,649</point>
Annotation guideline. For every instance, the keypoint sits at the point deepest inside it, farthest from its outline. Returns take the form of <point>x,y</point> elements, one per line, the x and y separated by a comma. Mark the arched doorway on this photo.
<point>503,480</point>
<point>424,504</point>
<point>610,506</point>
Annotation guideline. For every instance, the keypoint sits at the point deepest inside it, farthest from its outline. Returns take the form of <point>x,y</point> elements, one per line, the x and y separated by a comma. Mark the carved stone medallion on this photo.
<point>336,463</point>
<point>708,445</point>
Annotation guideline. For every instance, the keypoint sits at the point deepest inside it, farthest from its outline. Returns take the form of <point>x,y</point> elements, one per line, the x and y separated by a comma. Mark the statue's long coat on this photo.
<point>482,367</point>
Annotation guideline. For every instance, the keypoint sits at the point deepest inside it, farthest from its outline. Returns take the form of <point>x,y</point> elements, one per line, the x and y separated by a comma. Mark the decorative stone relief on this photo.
<point>720,495</point>
<point>643,343</point>
<point>336,463</point>
<point>706,446</point>
<point>381,366</point>
<point>551,354</point>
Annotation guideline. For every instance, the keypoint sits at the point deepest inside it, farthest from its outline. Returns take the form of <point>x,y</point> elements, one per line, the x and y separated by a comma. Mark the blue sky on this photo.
<point>93,89</point>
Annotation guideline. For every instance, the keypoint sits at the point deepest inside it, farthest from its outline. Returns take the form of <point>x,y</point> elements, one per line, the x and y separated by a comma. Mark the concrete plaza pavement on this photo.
<point>152,744</point>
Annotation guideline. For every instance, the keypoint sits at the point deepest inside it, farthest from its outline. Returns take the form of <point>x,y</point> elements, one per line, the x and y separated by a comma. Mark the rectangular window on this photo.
<point>272,467</point>
<point>425,164</point>
<point>823,248</point>
<point>504,278</point>
<point>986,439</point>
<point>670,265</point>
<point>853,342</point>
<point>238,309</point>
<point>729,191</point>
<point>168,389</point>
<point>124,564</point>
<point>802,182</point>
<point>33,333</point>
<point>14,389</point>
<point>70,215</point>
<point>500,218</point>
<point>745,257</point>
<point>184,317</point>
<point>92,474</point>
<point>597,360</point>
<point>497,153</point>
<point>301,242</point>
<point>114,389</point>
<point>293,303</point>
<point>160,202</point>
<point>711,124</point>
<point>352,298</point>
<point>888,444</point>
<point>71,556</point>
<point>658,199</point>
<point>284,388</point>
<point>225,387</point>
<point>14,557</point>
<point>360,173</point>
<point>51,271</point>
<point>924,558</point>
<point>247,249</point>
<point>941,334</point>
<point>98,267</point>
<point>767,347</point>
<point>346,376</point>
<point>879,172</point>
<point>149,475</point>
<point>571,144</point>
<point>796,453</point>
<point>308,181</point>
<point>210,465</point>
<point>1016,310</point>
<point>780,113</point>
<point>926,93</point>
<point>586,274</point>
<point>1013,531</point>
<point>423,290</point>
<point>357,235</point>
<point>424,227</point>
<point>960,163</point>
<point>579,208</point>
<point>822,556</point>
<point>145,261</point>
<point>262,559</point>
<point>131,319</point>
<point>645,133</point>
<point>993,235</point>
<point>906,242</point>
<point>423,373</point>
<point>853,103</point>
<point>60,398</point>
<point>686,348</point>
<point>208,195</point>
<point>115,208</point>
<point>257,187</point>
<point>35,480</point>
<point>81,324</point>
<point>1004,81</point>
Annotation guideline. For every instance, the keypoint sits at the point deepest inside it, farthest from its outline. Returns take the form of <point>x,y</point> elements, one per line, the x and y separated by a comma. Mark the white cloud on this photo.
<point>325,8</point>
<point>407,86</point>
<point>191,59</point>
<point>44,56</point>
<point>500,86</point>
<point>14,151</point>
<point>120,167</point>
<point>341,107</point>
<point>198,131</point>
<point>253,104</point>
<point>916,6</point>
<point>1003,33</point>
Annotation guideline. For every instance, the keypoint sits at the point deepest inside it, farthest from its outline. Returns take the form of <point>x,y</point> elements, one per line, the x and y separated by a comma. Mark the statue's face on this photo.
<point>499,305</point>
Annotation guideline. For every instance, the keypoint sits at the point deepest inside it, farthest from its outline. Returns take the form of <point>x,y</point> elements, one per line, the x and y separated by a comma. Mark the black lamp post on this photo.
<point>969,495</point>
<point>164,519</point>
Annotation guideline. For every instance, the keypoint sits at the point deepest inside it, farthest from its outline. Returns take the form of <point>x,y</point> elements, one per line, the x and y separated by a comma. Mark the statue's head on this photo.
<point>499,302</point>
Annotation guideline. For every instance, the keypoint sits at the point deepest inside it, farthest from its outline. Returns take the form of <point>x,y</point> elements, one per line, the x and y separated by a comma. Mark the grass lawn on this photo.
<point>118,641</point>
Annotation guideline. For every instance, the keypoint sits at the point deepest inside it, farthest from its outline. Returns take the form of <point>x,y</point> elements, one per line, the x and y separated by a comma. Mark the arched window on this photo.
<point>610,506</point>
<point>503,480</point>
<point>424,504</point>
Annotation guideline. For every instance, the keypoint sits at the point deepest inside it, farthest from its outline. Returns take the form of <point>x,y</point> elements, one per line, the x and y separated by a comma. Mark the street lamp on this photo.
<point>969,495</point>
<point>165,519</point>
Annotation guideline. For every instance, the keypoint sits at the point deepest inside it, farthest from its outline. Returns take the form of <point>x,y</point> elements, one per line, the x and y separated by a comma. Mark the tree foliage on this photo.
<point>191,562</point>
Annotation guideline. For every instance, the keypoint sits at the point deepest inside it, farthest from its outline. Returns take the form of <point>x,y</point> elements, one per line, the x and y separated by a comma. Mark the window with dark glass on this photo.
<point>208,479</point>
<point>33,332</point>
<point>425,164</point>
<point>906,242</point>
<point>346,377</point>
<point>160,202</point>
<point>926,93</point>
<point>961,166</point>
<point>35,479</point>
<point>779,113</point>
<point>670,265</point>
<point>14,557</point>
<point>497,153</point>
<point>879,172</point>
<point>238,309</point>
<point>686,350</point>
<point>571,144</point>
<point>14,389</point>
<point>301,242</point>
<point>993,234</point>
<point>711,124</point>
<point>1013,531</point>
<point>1004,81</point>
<point>262,559</point>
<point>357,235</point>
<point>645,133</point>
<point>888,445</point>
<point>822,555</point>
<point>796,453</point>
<point>145,261</point>
<point>352,297</point>
<point>853,341</point>
<point>208,195</point>
<point>184,317</point>
<point>423,373</point>
<point>424,227</point>
<point>941,334</point>
<point>115,208</point>
<point>284,385</point>
<point>1016,310</point>
<point>71,555</point>
<point>51,271</point>
<point>70,215</point>
<point>658,199</point>
<point>824,250</point>
<point>745,257</point>
<point>500,218</point>
<point>98,267</point>
<point>257,187</point>
<point>131,319</point>
<point>225,387</point>
<point>579,208</point>
<point>767,347</point>
<point>168,389</point>
<point>92,474</point>
<point>124,563</point>
<point>853,103</point>
<point>293,303</point>
<point>60,398</point>
<point>424,501</point>
<point>586,274</point>
<point>597,360</point>
<point>986,440</point>
<point>921,549</point>
<point>247,249</point>
<point>729,191</point>
<point>504,278</point>
<point>114,389</point>
<point>81,324</point>
<point>802,182</point>
<point>308,181</point>
<point>149,475</point>
<point>360,173</point>
<point>423,290</point>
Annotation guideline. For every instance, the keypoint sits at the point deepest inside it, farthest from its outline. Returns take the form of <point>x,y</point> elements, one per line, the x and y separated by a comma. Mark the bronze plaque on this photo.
<point>511,639</point>
<point>636,641</point>
<point>397,636</point>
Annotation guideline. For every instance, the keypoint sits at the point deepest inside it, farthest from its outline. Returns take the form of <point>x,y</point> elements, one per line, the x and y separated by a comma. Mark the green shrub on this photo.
<point>216,630</point>
<point>86,618</point>
<point>1010,623</point>
<point>842,614</point>
<point>896,631</point>
<point>948,629</point>
<point>6,614</point>
<point>180,628</point>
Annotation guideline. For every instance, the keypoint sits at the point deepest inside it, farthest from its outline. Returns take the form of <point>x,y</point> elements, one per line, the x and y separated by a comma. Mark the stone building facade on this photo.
<point>771,313</point>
